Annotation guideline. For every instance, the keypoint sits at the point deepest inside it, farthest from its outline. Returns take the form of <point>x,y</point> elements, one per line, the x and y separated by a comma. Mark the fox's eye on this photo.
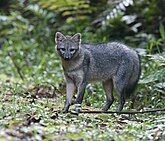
<point>71,50</point>
<point>62,49</point>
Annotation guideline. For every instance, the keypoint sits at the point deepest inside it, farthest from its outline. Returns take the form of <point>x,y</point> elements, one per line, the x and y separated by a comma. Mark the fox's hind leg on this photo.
<point>119,86</point>
<point>108,88</point>
<point>121,81</point>
<point>121,102</point>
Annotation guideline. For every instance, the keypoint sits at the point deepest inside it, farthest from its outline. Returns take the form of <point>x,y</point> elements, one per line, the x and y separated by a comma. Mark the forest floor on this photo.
<point>30,113</point>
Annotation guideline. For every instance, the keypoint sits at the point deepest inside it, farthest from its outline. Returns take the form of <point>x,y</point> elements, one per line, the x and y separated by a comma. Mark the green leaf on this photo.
<point>162,31</point>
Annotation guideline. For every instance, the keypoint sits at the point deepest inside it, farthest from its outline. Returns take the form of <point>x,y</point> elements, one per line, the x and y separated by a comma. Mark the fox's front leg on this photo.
<point>80,95</point>
<point>70,87</point>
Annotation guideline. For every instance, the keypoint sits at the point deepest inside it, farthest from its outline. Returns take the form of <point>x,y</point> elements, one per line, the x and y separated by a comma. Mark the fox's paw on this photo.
<point>64,111</point>
<point>77,108</point>
<point>106,107</point>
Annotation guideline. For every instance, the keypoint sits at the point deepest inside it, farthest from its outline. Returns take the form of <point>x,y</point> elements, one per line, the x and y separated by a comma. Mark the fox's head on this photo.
<point>67,46</point>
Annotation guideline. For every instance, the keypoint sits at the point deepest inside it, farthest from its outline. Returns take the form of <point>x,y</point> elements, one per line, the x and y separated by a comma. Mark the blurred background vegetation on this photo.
<point>32,86</point>
<point>27,29</point>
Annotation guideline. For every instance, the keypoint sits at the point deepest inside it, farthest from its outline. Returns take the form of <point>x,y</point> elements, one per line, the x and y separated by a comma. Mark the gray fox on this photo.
<point>114,64</point>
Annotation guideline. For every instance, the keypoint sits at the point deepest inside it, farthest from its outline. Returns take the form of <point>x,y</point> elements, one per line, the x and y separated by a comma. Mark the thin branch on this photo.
<point>16,65</point>
<point>126,112</point>
<point>113,112</point>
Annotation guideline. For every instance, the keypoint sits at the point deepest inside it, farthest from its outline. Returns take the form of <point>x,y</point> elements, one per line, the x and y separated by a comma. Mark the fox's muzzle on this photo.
<point>67,56</point>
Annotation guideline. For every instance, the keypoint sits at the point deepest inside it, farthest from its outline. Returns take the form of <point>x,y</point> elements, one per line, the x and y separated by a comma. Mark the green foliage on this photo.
<point>152,84</point>
<point>157,44</point>
<point>32,86</point>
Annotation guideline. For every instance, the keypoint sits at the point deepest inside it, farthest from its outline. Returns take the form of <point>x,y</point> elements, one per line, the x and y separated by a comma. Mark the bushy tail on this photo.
<point>131,87</point>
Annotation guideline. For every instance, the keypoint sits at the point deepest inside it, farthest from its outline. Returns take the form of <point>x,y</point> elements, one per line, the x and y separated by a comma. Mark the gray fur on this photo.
<point>113,64</point>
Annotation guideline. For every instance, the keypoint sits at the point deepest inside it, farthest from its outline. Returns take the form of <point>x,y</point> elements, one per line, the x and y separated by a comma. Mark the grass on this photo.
<point>29,113</point>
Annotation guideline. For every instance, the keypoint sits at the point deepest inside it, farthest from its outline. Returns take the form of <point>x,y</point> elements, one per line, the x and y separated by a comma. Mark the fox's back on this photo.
<point>105,59</point>
<point>112,49</point>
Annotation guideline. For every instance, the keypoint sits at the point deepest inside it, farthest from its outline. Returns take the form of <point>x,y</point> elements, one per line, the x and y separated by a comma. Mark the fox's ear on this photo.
<point>59,37</point>
<point>77,37</point>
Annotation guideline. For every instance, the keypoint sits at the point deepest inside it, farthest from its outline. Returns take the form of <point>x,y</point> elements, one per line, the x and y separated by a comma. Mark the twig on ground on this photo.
<point>113,112</point>
<point>124,112</point>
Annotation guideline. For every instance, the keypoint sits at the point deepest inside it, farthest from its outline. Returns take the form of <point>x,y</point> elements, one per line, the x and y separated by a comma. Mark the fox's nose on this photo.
<point>67,56</point>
